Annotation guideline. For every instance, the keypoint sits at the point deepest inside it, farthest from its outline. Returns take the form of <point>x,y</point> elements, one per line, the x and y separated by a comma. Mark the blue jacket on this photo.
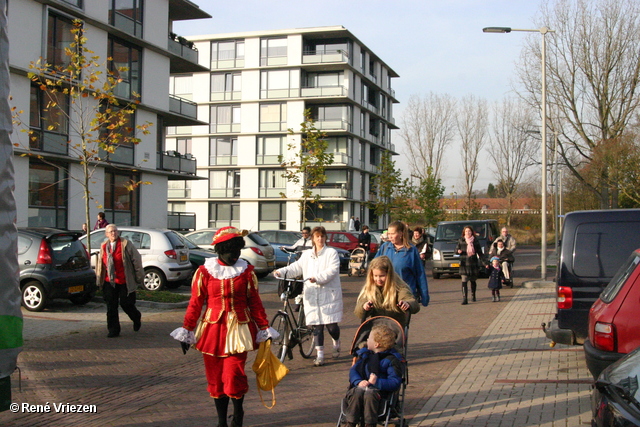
<point>410,268</point>
<point>389,374</point>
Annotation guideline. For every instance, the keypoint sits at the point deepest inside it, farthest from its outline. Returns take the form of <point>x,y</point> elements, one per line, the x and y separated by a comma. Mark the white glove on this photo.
<point>299,299</point>
<point>265,334</point>
<point>183,335</point>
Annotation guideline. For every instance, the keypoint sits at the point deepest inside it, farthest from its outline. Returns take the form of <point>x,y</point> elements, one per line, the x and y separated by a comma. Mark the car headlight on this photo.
<point>436,255</point>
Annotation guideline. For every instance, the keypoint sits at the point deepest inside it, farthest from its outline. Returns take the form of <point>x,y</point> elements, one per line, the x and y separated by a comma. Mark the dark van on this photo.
<point>445,261</point>
<point>593,247</point>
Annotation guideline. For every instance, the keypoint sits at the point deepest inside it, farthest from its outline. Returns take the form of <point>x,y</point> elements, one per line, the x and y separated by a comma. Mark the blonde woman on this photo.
<point>385,294</point>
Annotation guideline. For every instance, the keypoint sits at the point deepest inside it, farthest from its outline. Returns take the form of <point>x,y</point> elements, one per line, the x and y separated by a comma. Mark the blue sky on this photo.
<point>434,45</point>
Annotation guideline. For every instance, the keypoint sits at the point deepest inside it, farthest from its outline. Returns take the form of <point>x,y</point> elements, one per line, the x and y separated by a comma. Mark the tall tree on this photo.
<point>428,127</point>
<point>306,162</point>
<point>386,186</point>
<point>428,195</point>
<point>593,73</point>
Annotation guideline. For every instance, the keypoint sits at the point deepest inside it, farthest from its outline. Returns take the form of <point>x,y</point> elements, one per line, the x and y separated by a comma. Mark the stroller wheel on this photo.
<point>349,273</point>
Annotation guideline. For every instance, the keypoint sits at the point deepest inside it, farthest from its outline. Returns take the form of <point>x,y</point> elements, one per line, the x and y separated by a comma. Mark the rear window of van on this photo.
<point>601,248</point>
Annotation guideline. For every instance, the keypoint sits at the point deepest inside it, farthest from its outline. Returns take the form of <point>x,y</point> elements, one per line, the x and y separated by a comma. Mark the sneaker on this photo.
<point>336,349</point>
<point>318,362</point>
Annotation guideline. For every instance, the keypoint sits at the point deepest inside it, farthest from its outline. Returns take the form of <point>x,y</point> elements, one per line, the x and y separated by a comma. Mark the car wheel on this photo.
<point>80,299</point>
<point>34,298</point>
<point>436,275</point>
<point>154,280</point>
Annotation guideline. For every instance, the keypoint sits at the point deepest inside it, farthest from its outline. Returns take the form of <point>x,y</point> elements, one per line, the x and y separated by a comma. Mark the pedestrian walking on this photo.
<point>469,250</point>
<point>496,278</point>
<point>101,222</point>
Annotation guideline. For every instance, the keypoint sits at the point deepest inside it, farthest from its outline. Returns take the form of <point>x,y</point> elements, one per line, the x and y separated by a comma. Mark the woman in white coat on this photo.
<point>320,269</point>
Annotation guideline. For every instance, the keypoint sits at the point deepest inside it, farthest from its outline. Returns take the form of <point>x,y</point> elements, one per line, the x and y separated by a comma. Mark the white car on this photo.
<point>257,251</point>
<point>165,257</point>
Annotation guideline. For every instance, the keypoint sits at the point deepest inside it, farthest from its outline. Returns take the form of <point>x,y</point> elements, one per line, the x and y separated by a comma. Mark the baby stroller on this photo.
<point>358,262</point>
<point>391,407</point>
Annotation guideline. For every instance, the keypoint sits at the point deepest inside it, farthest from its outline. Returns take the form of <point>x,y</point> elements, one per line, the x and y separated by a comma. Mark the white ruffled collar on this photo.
<point>220,271</point>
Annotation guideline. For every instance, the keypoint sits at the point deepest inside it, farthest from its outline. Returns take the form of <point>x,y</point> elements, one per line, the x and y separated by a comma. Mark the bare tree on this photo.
<point>593,77</point>
<point>471,122</point>
<point>512,149</point>
<point>428,126</point>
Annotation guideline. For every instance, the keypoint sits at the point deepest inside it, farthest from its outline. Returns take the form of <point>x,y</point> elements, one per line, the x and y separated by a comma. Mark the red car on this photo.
<point>614,324</point>
<point>348,241</point>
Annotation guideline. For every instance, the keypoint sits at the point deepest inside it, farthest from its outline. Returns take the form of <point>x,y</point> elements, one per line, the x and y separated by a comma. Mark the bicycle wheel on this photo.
<point>281,324</point>
<point>305,337</point>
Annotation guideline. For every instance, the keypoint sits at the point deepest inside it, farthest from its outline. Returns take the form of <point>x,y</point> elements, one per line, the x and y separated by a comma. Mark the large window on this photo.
<point>224,214</point>
<point>179,189</point>
<point>179,145</point>
<point>225,183</point>
<point>226,86</point>
<point>227,54</point>
<point>279,84</point>
<point>272,216</point>
<point>47,196</point>
<point>326,211</point>
<point>125,64</point>
<point>181,86</point>
<point>59,37</point>
<point>273,51</point>
<point>120,137</point>
<point>269,149</point>
<point>48,121</point>
<point>120,202</point>
<point>224,118</point>
<point>126,15</point>
<point>223,151</point>
<point>272,183</point>
<point>273,117</point>
<point>332,117</point>
<point>341,149</point>
<point>324,84</point>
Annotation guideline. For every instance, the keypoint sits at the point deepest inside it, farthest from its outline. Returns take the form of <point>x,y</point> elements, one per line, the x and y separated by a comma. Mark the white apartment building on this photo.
<point>136,34</point>
<point>258,87</point>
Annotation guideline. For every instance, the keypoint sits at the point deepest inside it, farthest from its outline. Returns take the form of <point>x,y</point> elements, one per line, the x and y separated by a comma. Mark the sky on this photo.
<point>434,45</point>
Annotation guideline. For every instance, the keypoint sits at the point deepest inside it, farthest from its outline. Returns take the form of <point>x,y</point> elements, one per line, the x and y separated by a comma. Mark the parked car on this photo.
<point>257,251</point>
<point>615,399</point>
<point>279,238</point>
<point>614,324</point>
<point>165,257</point>
<point>593,246</point>
<point>197,257</point>
<point>348,241</point>
<point>53,264</point>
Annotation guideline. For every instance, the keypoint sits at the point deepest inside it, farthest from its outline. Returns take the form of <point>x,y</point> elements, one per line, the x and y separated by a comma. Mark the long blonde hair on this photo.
<point>386,297</point>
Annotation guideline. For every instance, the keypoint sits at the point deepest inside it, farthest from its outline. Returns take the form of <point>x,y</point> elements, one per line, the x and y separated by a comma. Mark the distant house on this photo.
<point>523,205</point>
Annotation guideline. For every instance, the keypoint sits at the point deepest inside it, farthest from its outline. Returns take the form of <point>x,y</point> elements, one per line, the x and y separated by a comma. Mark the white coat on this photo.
<point>322,299</point>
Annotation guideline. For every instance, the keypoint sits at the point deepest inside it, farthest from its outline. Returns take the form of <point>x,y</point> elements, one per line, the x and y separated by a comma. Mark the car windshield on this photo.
<point>451,232</point>
<point>258,239</point>
<point>176,240</point>
<point>188,243</point>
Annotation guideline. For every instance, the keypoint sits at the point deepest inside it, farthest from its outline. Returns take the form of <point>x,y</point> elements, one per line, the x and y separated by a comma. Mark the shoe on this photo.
<point>464,301</point>
<point>494,299</point>
<point>113,334</point>
<point>498,298</point>
<point>136,325</point>
<point>336,350</point>
<point>473,297</point>
<point>318,362</point>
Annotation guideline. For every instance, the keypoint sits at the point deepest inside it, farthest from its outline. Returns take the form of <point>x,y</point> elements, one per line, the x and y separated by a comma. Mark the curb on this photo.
<point>531,284</point>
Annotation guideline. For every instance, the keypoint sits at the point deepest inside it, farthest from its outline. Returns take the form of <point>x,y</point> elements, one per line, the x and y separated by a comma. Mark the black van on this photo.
<point>594,245</point>
<point>444,260</point>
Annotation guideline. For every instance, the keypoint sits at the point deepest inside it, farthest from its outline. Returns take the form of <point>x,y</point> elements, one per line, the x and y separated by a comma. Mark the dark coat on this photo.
<point>505,255</point>
<point>469,265</point>
<point>389,371</point>
<point>496,277</point>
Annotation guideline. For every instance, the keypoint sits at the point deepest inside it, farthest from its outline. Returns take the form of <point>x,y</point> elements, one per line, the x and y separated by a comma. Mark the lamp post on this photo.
<point>543,133</point>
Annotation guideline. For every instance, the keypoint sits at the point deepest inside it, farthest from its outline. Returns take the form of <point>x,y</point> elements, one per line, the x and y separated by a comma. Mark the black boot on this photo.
<point>238,412</point>
<point>473,291</point>
<point>465,291</point>
<point>222,404</point>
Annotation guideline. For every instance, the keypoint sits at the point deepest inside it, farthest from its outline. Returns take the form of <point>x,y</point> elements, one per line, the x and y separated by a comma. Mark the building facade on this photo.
<point>137,35</point>
<point>258,87</point>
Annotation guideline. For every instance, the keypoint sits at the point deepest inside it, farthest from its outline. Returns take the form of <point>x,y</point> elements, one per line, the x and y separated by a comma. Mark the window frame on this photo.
<point>236,61</point>
<point>131,85</point>
<point>216,159</point>
<point>58,190</point>
<point>215,113</point>
<point>135,21</point>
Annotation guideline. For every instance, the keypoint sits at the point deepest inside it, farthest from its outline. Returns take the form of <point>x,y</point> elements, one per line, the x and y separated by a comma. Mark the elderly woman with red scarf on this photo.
<point>470,252</point>
<point>233,323</point>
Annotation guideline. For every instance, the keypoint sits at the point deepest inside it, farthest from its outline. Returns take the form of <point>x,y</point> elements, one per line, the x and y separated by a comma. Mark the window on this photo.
<point>179,145</point>
<point>181,86</point>
<point>329,117</point>
<point>272,183</point>
<point>226,86</point>
<point>374,127</point>
<point>179,190</point>
<point>326,47</point>
<point>273,216</point>
<point>269,149</point>
<point>227,54</point>
<point>279,84</point>
<point>224,214</point>
<point>341,149</point>
<point>273,117</point>
<point>324,84</point>
<point>363,63</point>
<point>47,196</point>
<point>59,37</point>
<point>126,15</point>
<point>225,118</point>
<point>120,202</point>
<point>374,155</point>
<point>120,137</point>
<point>76,3</point>
<point>327,211</point>
<point>49,125</point>
<point>225,183</point>
<point>223,151</point>
<point>372,69</point>
<point>125,64</point>
<point>273,51</point>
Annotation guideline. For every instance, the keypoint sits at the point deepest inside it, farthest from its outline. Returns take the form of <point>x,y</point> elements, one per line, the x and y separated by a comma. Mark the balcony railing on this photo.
<point>181,221</point>
<point>340,158</point>
<point>182,47</point>
<point>335,191</point>
<point>333,125</point>
<point>183,106</point>
<point>176,162</point>
<point>324,56</point>
<point>323,91</point>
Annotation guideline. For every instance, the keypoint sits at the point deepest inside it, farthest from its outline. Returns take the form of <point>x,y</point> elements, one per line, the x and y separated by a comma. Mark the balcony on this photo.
<point>340,158</point>
<point>324,56</point>
<point>176,162</point>
<point>182,47</point>
<point>333,125</point>
<point>183,106</point>
<point>328,191</point>
<point>181,221</point>
<point>321,91</point>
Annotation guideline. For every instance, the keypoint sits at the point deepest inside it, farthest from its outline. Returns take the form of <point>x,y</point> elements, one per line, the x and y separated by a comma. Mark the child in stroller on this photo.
<point>376,372</point>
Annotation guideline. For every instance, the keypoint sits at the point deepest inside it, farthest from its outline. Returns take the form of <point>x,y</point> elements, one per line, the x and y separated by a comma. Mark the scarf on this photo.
<point>470,249</point>
<point>111,265</point>
<point>416,242</point>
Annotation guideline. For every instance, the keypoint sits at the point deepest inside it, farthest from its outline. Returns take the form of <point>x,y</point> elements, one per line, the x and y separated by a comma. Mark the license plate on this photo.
<point>271,263</point>
<point>183,258</point>
<point>454,265</point>
<point>76,289</point>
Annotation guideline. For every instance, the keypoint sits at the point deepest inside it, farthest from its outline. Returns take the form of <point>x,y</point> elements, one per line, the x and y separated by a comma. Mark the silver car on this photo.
<point>165,257</point>
<point>257,251</point>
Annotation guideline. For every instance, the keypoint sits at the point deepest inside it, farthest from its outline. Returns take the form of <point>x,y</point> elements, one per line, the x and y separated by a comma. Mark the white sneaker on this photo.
<point>336,349</point>
<point>318,362</point>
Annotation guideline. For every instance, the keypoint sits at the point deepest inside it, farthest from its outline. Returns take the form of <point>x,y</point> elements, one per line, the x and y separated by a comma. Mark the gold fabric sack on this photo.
<point>269,371</point>
<point>239,339</point>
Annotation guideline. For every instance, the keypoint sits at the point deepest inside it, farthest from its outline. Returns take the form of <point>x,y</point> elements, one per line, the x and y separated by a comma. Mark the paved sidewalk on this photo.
<point>511,377</point>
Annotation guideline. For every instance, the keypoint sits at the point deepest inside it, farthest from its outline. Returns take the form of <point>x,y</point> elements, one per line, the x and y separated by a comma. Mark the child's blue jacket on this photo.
<point>390,372</point>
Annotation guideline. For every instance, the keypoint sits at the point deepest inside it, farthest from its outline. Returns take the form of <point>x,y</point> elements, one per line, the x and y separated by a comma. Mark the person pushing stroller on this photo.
<point>376,373</point>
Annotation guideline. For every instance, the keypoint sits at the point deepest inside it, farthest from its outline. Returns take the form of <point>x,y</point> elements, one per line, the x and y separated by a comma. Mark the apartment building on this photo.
<point>258,87</point>
<point>138,35</point>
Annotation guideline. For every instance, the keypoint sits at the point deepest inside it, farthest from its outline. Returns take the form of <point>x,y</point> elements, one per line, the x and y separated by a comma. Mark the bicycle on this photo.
<point>293,332</point>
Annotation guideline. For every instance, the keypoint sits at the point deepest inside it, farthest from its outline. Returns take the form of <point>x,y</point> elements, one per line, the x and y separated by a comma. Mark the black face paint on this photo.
<point>230,258</point>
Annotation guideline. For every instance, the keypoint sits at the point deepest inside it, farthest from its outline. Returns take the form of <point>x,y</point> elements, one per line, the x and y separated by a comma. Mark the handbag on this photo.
<point>269,371</point>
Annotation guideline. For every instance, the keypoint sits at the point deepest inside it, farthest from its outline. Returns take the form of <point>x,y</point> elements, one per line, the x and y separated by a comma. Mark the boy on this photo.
<point>376,373</point>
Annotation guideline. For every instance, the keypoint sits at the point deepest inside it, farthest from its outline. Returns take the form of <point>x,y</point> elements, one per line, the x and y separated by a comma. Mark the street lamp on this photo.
<point>543,133</point>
